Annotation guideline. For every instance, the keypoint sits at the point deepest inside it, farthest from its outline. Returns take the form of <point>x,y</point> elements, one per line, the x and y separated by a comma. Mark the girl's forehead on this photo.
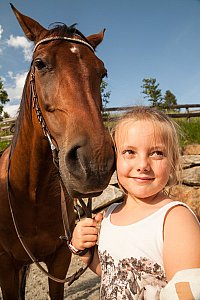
<point>138,131</point>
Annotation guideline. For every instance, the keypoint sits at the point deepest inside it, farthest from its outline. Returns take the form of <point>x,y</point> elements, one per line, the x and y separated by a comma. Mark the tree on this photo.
<point>6,115</point>
<point>152,92</point>
<point>169,99</point>
<point>3,96</point>
<point>105,95</point>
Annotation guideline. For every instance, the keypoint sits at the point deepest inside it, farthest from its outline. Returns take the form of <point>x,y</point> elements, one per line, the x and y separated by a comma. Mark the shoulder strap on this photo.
<point>110,209</point>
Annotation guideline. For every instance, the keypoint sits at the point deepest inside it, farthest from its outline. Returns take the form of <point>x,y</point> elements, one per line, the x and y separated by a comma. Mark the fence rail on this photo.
<point>172,107</point>
<point>113,115</point>
<point>170,111</point>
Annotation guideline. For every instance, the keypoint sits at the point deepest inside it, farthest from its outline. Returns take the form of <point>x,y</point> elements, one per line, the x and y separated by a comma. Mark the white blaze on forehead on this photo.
<point>74,49</point>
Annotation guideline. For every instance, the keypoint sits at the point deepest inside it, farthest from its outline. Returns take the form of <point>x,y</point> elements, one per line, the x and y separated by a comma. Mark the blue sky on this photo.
<point>143,39</point>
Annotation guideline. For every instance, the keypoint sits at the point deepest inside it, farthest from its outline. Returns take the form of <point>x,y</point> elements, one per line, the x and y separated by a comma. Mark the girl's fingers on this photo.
<point>98,218</point>
<point>85,234</point>
<point>89,244</point>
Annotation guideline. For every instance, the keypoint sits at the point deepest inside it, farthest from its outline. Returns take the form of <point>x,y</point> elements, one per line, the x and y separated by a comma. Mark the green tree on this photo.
<point>3,96</point>
<point>151,91</point>
<point>169,99</point>
<point>6,115</point>
<point>105,95</point>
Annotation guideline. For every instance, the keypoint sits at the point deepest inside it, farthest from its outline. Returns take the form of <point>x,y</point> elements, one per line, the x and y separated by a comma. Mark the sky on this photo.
<point>143,39</point>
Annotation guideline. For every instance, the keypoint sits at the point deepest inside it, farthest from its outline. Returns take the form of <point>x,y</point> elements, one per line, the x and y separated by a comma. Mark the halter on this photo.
<point>86,208</point>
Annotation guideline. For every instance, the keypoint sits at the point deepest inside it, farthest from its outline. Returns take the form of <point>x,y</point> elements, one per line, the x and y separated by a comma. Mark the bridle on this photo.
<point>86,208</point>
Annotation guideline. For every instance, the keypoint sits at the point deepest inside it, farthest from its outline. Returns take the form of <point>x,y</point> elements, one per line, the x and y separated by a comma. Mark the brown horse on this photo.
<point>60,108</point>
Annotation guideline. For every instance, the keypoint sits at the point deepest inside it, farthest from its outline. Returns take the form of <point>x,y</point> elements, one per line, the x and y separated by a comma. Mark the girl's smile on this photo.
<point>143,179</point>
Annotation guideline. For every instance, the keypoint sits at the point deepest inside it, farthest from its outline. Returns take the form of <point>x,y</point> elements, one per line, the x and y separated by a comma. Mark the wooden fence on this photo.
<point>188,113</point>
<point>113,115</point>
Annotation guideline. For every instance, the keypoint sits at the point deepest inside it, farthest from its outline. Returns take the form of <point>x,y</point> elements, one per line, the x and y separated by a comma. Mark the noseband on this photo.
<point>86,208</point>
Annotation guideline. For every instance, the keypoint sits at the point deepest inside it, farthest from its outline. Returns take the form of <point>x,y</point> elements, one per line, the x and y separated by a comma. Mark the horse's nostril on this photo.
<point>73,154</point>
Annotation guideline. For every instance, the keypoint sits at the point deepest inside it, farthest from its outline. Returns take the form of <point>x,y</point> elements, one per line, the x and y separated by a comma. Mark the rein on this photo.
<point>86,208</point>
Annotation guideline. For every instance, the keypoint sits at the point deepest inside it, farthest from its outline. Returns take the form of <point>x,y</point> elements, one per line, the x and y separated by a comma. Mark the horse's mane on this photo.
<point>61,29</point>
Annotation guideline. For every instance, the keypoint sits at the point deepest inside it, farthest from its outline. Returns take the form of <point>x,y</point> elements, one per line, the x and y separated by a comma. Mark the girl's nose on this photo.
<point>142,164</point>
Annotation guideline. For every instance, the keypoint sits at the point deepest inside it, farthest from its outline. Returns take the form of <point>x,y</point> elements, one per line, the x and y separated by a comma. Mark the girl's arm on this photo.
<point>181,241</point>
<point>85,235</point>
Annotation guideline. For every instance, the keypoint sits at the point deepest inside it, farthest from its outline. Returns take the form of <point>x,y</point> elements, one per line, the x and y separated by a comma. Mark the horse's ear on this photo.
<point>96,39</point>
<point>31,28</point>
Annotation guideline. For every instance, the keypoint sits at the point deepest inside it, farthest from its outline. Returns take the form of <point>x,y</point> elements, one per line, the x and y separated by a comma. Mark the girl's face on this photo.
<point>143,167</point>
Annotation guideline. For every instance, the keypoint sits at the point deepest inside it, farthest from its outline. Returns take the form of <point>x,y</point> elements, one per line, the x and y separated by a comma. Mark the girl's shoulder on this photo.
<point>181,235</point>
<point>179,211</point>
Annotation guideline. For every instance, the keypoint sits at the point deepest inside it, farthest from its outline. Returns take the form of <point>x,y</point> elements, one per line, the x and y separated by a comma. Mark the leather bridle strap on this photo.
<point>88,212</point>
<point>72,39</point>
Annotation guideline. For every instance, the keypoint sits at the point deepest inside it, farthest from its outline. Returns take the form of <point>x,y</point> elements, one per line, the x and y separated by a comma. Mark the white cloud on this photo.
<point>21,42</point>
<point>1,31</point>
<point>12,110</point>
<point>14,92</point>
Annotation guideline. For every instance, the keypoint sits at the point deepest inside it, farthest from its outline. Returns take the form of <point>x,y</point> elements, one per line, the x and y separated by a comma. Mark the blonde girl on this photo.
<point>149,245</point>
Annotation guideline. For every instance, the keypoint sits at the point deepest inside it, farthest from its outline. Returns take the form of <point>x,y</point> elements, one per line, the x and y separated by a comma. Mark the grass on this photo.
<point>3,145</point>
<point>190,131</point>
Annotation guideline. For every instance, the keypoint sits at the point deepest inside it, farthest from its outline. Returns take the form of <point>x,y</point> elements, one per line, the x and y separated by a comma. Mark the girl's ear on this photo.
<point>96,39</point>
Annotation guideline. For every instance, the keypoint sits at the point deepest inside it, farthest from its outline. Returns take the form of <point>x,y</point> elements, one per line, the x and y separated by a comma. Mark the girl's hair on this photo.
<point>164,127</point>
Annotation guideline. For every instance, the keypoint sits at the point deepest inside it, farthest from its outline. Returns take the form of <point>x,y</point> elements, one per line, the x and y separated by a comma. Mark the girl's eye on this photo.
<point>128,153</point>
<point>157,154</point>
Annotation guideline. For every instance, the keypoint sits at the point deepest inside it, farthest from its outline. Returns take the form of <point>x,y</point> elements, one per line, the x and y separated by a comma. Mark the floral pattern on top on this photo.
<point>131,279</point>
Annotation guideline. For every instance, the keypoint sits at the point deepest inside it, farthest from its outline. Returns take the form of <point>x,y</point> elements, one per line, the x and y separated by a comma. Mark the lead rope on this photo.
<point>88,212</point>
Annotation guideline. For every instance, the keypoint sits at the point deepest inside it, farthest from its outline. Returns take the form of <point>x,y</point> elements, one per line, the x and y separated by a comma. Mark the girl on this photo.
<point>149,245</point>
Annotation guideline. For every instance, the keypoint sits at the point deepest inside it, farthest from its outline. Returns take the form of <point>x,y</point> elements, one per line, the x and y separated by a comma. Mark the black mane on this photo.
<point>62,30</point>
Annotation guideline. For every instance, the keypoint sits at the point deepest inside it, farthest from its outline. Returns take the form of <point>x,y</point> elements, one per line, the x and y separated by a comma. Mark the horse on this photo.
<point>60,145</point>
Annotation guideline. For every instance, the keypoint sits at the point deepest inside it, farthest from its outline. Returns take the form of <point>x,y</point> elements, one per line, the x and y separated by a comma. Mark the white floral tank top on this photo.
<point>131,257</point>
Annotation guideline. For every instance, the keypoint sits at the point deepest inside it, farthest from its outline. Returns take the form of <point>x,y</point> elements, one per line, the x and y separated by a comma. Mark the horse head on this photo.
<point>67,76</point>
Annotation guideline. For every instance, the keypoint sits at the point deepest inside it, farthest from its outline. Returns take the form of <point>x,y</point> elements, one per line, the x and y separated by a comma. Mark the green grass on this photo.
<point>190,131</point>
<point>3,145</point>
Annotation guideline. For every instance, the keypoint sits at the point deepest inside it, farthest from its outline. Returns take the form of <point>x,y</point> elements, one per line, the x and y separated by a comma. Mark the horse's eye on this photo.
<point>39,64</point>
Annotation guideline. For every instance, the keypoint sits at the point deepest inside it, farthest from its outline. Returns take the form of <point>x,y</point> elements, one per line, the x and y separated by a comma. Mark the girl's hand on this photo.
<point>85,234</point>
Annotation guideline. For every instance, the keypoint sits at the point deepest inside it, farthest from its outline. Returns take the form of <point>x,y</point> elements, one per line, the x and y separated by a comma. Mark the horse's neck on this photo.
<point>31,160</point>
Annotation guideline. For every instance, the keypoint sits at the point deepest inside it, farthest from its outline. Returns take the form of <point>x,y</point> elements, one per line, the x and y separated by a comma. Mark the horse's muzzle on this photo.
<point>86,170</point>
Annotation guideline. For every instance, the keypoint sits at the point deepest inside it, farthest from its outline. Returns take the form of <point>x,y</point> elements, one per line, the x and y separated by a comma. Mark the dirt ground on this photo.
<point>86,287</point>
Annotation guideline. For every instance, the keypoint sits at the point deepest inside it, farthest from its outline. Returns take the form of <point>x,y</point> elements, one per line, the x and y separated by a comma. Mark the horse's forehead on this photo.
<point>74,49</point>
<point>63,49</point>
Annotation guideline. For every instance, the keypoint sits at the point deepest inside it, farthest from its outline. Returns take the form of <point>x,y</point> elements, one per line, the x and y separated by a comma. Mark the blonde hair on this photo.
<point>164,126</point>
